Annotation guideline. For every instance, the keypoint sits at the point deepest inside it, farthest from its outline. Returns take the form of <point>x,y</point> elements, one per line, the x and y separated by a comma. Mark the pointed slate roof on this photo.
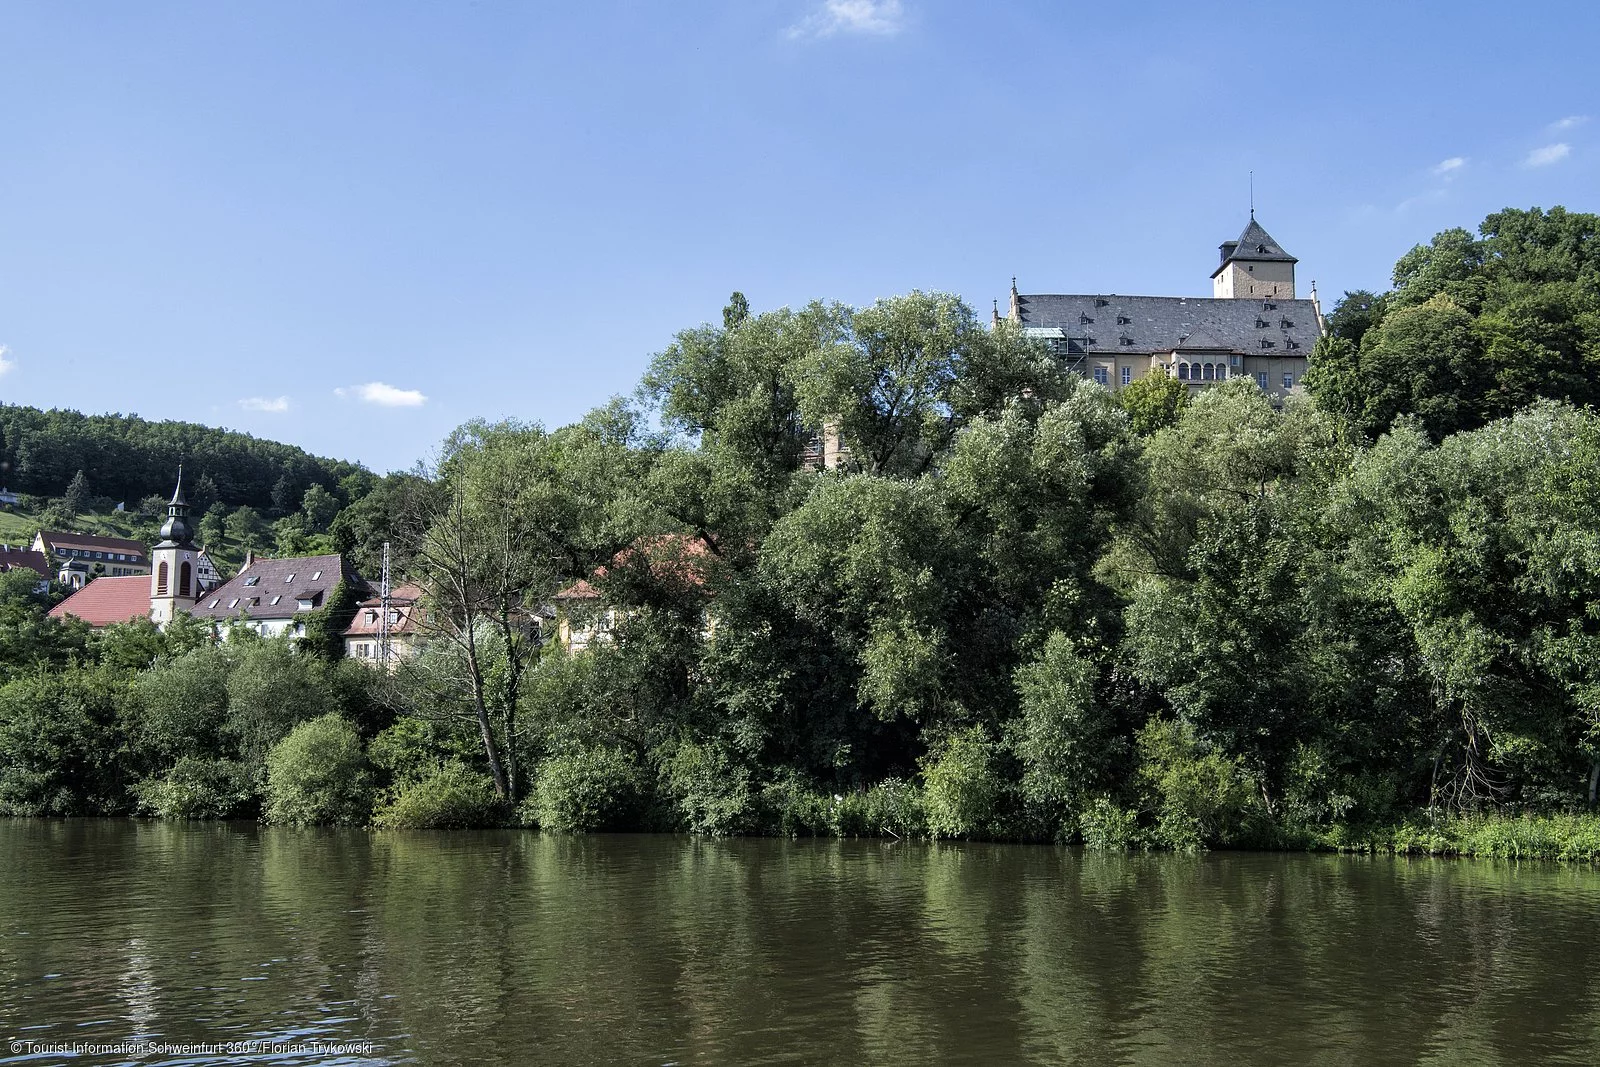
<point>1255,245</point>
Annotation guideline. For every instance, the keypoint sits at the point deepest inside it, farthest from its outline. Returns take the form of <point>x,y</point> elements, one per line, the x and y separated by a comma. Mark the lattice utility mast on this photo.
<point>383,610</point>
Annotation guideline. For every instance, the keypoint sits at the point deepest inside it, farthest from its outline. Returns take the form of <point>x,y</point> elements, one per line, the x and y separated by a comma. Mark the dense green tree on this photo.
<point>1153,402</point>
<point>76,498</point>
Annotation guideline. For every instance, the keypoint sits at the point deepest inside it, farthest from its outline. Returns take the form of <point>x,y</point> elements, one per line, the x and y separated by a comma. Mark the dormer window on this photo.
<point>1084,319</point>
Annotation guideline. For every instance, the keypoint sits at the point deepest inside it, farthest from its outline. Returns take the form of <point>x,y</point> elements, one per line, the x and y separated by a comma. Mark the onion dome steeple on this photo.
<point>176,531</point>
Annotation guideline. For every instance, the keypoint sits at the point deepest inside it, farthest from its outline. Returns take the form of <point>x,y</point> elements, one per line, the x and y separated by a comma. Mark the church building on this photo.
<point>269,596</point>
<point>1253,324</point>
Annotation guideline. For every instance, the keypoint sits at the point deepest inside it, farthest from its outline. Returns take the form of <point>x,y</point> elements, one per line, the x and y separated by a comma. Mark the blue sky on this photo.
<point>354,226</point>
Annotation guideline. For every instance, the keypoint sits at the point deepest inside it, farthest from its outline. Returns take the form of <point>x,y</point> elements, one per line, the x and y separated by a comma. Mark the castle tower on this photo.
<point>1255,267</point>
<point>174,573</point>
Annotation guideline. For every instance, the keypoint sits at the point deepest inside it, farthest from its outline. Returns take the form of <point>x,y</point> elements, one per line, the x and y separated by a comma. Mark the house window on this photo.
<point>1261,378</point>
<point>1288,380</point>
<point>1100,376</point>
<point>1183,371</point>
<point>1209,372</point>
<point>1127,375</point>
<point>1222,372</point>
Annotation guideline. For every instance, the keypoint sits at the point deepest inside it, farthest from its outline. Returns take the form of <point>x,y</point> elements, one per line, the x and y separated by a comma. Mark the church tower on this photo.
<point>1255,267</point>
<point>174,562</point>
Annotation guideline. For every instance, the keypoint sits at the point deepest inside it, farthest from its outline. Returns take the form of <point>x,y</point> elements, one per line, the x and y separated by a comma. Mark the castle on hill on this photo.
<point>1253,324</point>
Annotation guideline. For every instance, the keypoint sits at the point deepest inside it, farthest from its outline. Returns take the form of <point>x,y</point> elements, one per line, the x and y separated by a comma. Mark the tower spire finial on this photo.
<point>1252,196</point>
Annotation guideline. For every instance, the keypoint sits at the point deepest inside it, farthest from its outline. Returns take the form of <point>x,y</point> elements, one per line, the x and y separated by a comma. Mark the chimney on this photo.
<point>249,558</point>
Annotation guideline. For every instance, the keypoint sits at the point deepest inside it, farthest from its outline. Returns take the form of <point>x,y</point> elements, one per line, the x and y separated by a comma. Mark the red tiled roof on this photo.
<point>105,601</point>
<point>12,558</point>
<point>403,601</point>
<point>581,590</point>
<point>678,556</point>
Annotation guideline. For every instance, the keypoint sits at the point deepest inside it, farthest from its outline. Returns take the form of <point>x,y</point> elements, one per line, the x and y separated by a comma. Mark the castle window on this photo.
<point>1266,343</point>
<point>1084,319</point>
<point>1267,305</point>
<point>161,579</point>
<point>1100,376</point>
<point>1261,378</point>
<point>1288,380</point>
<point>1291,343</point>
<point>1126,341</point>
<point>1261,323</point>
<point>1208,372</point>
<point>1183,372</point>
<point>1127,375</point>
<point>1286,324</point>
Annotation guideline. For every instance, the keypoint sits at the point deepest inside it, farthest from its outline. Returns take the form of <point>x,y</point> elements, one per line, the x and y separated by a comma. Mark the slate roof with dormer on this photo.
<point>1255,245</point>
<point>1147,325</point>
<point>273,588</point>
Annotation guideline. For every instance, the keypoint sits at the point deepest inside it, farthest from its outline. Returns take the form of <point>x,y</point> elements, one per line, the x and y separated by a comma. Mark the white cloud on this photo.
<point>5,364</point>
<point>274,404</point>
<point>876,18</point>
<point>1550,153</point>
<point>1571,122</point>
<point>384,395</point>
<point>1446,168</point>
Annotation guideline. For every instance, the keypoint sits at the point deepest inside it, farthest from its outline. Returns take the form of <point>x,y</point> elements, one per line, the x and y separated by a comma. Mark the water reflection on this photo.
<point>511,947</point>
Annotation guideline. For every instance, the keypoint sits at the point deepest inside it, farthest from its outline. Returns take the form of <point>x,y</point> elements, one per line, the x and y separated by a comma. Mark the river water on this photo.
<point>515,948</point>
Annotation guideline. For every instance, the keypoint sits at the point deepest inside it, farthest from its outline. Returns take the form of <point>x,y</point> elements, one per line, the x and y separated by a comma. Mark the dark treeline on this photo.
<point>1023,607</point>
<point>126,458</point>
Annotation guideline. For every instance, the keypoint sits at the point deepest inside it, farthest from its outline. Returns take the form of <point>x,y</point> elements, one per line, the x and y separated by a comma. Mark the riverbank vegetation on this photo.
<point>1023,607</point>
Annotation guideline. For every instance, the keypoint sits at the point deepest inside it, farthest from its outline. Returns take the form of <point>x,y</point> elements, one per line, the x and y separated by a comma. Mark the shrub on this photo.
<point>891,808</point>
<point>1199,797</point>
<point>318,774</point>
<point>712,794</point>
<point>589,789</point>
<point>1107,828</point>
<point>961,788</point>
<point>454,797</point>
<point>789,807</point>
<point>200,788</point>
